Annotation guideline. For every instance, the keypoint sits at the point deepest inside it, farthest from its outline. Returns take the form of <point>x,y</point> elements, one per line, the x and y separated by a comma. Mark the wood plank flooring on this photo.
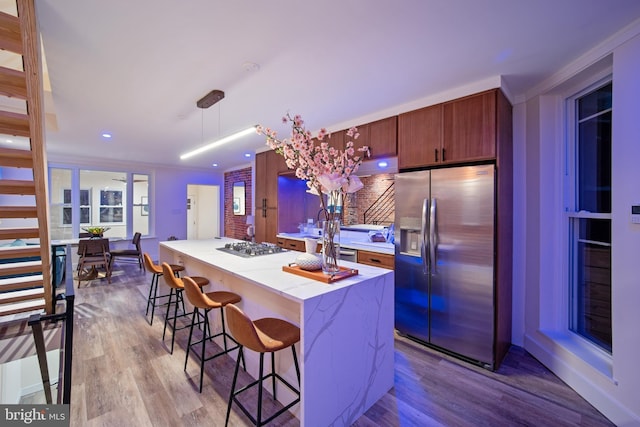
<point>123,375</point>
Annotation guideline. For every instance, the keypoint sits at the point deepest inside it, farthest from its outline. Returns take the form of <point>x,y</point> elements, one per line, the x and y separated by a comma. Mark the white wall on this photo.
<point>170,202</point>
<point>610,383</point>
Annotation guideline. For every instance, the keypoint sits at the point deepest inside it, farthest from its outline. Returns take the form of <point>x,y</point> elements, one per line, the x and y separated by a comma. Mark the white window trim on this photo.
<point>558,147</point>
<point>582,348</point>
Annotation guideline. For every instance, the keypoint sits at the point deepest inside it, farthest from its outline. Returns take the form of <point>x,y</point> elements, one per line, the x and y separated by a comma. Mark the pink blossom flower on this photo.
<point>327,169</point>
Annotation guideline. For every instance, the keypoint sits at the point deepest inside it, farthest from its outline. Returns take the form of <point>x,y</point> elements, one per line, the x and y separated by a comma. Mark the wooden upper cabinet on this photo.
<point>420,137</point>
<point>277,161</point>
<point>470,128</point>
<point>463,130</point>
<point>337,139</point>
<point>382,137</point>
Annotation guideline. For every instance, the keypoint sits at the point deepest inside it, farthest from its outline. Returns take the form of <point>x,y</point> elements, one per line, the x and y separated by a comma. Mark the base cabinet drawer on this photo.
<point>376,259</point>
<point>291,244</point>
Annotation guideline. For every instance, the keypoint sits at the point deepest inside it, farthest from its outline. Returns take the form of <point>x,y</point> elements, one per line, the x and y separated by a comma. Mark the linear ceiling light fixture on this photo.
<point>205,102</point>
<point>219,142</point>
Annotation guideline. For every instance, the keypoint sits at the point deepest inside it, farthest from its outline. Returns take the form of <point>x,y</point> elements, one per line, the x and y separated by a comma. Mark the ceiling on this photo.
<point>136,68</point>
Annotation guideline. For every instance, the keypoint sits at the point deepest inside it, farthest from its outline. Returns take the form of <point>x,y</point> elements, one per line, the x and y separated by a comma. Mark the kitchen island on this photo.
<point>346,350</point>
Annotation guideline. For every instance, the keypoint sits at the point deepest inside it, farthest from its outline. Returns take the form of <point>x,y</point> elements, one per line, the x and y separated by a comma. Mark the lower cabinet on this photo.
<point>376,259</point>
<point>363,257</point>
<point>291,244</point>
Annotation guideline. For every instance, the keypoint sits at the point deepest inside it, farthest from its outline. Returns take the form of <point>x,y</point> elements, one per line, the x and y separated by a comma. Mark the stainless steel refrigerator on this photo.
<point>445,258</point>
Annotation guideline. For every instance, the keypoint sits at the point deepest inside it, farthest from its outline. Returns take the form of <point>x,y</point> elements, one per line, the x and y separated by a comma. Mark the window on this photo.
<point>121,202</point>
<point>111,206</point>
<point>590,216</point>
<point>85,207</point>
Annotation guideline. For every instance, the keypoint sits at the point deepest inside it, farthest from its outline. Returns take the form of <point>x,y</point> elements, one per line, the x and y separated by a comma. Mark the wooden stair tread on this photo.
<point>18,212</point>
<point>15,186</point>
<point>22,295</point>
<point>22,267</point>
<point>13,83</point>
<point>19,251</point>
<point>22,307</point>
<point>22,282</point>
<point>16,158</point>
<point>19,233</point>
<point>14,124</point>
<point>10,35</point>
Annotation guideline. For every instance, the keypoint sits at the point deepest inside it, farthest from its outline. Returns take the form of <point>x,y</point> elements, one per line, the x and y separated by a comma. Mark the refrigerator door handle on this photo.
<point>423,236</point>
<point>433,245</point>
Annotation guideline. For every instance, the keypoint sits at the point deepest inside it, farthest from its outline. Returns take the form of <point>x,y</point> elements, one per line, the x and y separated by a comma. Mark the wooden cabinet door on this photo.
<point>266,196</point>
<point>337,140</point>
<point>470,128</point>
<point>420,137</point>
<point>363,139</point>
<point>383,137</point>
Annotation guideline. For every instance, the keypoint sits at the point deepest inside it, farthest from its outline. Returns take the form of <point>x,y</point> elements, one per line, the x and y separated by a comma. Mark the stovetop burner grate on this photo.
<point>250,249</point>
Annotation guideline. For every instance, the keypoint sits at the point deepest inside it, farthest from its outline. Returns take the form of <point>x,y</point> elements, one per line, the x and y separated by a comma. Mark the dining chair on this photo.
<point>93,253</point>
<point>135,252</point>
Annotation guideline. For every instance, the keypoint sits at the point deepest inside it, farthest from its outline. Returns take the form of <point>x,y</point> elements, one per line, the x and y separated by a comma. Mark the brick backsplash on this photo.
<point>358,202</point>
<point>235,226</point>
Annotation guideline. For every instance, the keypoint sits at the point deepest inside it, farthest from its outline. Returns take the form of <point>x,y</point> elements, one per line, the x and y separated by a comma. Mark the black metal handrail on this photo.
<point>66,354</point>
<point>382,208</point>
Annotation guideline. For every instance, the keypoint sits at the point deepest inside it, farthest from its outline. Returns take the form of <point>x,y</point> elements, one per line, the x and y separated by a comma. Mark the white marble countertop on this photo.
<point>358,242</point>
<point>266,270</point>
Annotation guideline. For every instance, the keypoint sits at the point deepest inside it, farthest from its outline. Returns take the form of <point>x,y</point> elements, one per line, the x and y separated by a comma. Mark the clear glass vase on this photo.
<point>330,246</point>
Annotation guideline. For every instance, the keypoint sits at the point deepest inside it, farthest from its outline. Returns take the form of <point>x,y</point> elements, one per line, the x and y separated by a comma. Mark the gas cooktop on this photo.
<point>249,249</point>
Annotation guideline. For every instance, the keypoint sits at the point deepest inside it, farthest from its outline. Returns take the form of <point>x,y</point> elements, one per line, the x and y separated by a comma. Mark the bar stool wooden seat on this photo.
<point>266,335</point>
<point>156,270</point>
<point>207,302</point>
<point>176,287</point>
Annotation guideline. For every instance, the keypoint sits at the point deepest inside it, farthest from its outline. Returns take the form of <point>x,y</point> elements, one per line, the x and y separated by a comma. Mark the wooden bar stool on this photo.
<point>176,287</point>
<point>156,270</point>
<point>266,335</point>
<point>206,302</point>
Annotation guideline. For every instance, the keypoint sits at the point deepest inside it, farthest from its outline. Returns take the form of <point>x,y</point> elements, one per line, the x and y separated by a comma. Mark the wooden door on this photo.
<point>420,137</point>
<point>470,128</point>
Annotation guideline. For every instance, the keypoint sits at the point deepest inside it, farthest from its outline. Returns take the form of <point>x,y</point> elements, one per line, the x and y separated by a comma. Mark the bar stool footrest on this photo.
<point>277,413</point>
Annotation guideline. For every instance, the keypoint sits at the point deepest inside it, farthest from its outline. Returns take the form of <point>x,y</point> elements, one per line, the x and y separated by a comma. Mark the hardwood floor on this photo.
<point>124,375</point>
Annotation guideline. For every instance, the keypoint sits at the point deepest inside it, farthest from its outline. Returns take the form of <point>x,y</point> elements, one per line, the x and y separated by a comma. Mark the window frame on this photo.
<point>572,215</point>
<point>130,210</point>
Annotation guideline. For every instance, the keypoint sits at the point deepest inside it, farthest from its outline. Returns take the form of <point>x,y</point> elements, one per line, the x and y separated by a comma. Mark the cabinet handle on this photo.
<point>375,260</point>
<point>436,154</point>
<point>443,159</point>
<point>264,208</point>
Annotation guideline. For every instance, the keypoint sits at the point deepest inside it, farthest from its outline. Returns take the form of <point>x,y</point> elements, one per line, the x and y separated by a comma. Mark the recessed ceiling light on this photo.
<point>247,154</point>
<point>383,164</point>
<point>250,67</point>
<point>215,165</point>
<point>106,135</point>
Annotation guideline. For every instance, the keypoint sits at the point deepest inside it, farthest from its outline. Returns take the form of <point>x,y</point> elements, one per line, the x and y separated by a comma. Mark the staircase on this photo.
<point>382,210</point>
<point>25,267</point>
